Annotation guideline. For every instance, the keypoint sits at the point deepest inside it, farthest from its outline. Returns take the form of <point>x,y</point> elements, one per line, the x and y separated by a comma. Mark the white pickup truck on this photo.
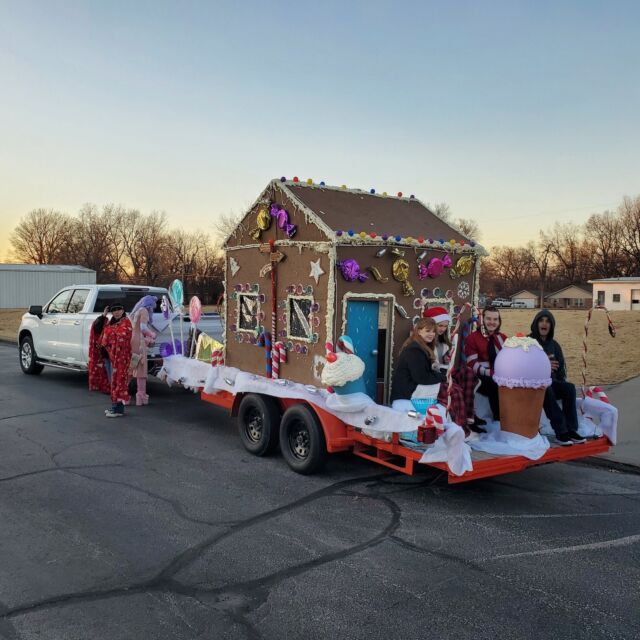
<point>57,334</point>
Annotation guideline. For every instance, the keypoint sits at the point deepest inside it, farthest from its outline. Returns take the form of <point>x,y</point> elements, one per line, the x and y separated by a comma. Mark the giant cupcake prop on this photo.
<point>522,371</point>
<point>343,370</point>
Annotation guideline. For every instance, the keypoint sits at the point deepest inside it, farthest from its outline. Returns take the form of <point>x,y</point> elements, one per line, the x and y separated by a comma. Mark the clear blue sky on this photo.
<point>510,109</point>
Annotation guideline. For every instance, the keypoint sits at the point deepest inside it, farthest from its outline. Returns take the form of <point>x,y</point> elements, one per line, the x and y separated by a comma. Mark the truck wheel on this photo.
<point>302,440</point>
<point>258,419</point>
<point>28,357</point>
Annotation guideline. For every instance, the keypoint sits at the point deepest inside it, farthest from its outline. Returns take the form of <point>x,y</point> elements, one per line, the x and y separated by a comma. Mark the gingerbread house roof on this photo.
<point>345,215</point>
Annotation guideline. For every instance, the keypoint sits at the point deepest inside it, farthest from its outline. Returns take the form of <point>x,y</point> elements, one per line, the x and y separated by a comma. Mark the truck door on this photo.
<point>71,329</point>
<point>48,345</point>
<point>369,327</point>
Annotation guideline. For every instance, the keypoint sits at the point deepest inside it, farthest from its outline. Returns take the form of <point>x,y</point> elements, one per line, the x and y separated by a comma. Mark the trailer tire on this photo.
<point>302,440</point>
<point>258,419</point>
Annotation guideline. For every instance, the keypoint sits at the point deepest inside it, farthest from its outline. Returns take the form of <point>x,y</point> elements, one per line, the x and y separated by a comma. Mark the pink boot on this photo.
<point>142,397</point>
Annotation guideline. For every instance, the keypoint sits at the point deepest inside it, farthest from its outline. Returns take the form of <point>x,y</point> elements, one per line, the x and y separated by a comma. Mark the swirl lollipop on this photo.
<point>195,313</point>
<point>176,293</point>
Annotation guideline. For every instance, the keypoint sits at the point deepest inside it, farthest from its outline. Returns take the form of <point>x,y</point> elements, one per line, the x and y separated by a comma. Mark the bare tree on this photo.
<point>540,255</point>
<point>224,224</point>
<point>629,216</point>
<point>469,227</point>
<point>602,233</point>
<point>43,236</point>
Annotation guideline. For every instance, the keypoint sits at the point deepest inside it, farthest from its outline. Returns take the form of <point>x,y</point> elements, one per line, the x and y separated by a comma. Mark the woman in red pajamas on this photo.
<point>98,376</point>
<point>116,339</point>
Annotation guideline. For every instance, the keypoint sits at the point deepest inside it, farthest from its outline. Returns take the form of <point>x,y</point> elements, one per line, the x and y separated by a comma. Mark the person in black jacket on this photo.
<point>417,363</point>
<point>564,421</point>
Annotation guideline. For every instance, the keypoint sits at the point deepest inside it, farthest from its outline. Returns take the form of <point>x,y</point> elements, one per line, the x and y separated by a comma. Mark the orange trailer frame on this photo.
<point>394,455</point>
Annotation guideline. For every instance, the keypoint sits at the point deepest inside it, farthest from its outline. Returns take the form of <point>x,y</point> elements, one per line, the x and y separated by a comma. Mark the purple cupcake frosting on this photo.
<point>522,364</point>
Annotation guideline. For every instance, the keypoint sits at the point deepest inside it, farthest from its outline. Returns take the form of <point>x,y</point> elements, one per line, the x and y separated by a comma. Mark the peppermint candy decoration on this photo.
<point>463,290</point>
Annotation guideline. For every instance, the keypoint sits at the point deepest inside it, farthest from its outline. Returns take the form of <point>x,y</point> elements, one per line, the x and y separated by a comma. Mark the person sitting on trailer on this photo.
<point>463,377</point>
<point>481,348</point>
<point>418,367</point>
<point>564,421</point>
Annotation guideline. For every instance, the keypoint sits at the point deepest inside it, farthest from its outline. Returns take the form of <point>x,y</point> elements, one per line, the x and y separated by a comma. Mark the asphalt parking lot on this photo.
<point>160,525</point>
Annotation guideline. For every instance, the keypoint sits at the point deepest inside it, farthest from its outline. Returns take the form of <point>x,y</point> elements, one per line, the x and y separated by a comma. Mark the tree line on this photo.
<point>122,245</point>
<point>607,245</point>
<point>125,245</point>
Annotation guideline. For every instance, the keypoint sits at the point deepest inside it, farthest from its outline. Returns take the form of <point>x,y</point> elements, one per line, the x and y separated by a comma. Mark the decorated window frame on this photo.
<point>309,316</point>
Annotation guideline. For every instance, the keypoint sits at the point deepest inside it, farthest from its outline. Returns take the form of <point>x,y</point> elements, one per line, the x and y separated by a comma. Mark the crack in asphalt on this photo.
<point>46,411</point>
<point>238,599</point>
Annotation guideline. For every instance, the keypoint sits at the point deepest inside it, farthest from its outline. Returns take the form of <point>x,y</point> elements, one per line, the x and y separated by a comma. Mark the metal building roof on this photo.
<point>45,267</point>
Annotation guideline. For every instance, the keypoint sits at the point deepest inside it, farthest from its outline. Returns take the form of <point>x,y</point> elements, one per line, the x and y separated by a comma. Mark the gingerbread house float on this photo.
<point>309,262</point>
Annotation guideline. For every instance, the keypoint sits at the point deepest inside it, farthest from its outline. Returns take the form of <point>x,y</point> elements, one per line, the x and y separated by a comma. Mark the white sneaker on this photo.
<point>113,414</point>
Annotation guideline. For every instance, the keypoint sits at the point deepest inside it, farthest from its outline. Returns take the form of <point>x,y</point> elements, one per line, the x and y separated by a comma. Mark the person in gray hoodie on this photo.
<point>564,421</point>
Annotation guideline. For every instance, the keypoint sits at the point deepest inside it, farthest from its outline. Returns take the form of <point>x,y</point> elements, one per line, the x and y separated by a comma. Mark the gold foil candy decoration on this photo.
<point>464,266</point>
<point>375,272</point>
<point>397,252</point>
<point>400,271</point>
<point>263,220</point>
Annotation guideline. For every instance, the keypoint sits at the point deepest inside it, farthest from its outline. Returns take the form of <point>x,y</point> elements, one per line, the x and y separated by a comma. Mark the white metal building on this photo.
<point>22,285</point>
<point>617,294</point>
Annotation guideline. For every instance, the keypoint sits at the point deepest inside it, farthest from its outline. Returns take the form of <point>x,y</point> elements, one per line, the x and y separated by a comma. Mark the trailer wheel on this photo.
<point>258,419</point>
<point>302,440</point>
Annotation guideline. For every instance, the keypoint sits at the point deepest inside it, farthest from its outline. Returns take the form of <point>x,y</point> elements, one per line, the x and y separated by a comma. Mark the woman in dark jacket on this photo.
<point>417,363</point>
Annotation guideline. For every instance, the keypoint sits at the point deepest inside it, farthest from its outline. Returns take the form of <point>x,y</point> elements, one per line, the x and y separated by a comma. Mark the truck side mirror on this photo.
<point>36,310</point>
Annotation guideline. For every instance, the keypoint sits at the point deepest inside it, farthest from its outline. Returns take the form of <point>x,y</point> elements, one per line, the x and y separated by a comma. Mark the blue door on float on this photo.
<point>362,328</point>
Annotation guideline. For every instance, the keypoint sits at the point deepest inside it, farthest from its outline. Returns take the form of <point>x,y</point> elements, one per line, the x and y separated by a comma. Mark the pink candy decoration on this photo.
<point>195,309</point>
<point>435,267</point>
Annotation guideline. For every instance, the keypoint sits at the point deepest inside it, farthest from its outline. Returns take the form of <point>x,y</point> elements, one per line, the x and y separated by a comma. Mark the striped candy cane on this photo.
<point>267,352</point>
<point>597,393</point>
<point>612,333</point>
<point>454,348</point>
<point>435,418</point>
<point>217,358</point>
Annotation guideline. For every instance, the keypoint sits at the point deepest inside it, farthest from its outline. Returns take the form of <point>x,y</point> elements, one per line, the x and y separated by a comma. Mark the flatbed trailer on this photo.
<point>306,446</point>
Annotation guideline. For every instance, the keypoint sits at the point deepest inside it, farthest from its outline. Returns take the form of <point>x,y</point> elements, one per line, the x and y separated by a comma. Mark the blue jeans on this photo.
<point>108,368</point>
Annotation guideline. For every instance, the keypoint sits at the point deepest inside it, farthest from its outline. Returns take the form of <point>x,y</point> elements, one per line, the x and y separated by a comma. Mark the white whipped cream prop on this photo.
<point>343,375</point>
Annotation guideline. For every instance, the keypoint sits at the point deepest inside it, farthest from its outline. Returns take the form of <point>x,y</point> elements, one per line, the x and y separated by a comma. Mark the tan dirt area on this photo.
<point>609,360</point>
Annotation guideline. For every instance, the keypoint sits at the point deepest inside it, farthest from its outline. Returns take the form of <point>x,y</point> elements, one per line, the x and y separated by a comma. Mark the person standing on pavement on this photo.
<point>116,339</point>
<point>564,421</point>
<point>142,337</point>
<point>99,372</point>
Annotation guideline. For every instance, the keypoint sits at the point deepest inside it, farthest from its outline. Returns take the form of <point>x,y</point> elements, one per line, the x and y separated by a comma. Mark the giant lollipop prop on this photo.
<point>176,293</point>
<point>165,307</point>
<point>195,313</point>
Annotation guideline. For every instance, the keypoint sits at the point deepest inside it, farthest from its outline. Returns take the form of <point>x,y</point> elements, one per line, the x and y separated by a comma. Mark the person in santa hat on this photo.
<point>463,377</point>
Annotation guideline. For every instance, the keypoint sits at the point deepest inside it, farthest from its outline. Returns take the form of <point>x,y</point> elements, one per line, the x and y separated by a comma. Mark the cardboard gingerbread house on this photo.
<point>309,262</point>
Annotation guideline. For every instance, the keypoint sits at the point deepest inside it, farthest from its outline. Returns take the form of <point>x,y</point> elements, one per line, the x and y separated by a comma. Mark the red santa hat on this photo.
<point>439,314</point>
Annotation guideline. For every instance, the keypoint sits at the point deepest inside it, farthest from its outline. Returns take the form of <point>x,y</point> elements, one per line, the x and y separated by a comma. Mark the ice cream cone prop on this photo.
<point>522,373</point>
<point>612,333</point>
<point>343,370</point>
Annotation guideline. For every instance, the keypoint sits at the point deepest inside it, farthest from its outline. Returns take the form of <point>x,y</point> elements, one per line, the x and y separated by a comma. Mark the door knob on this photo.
<point>374,352</point>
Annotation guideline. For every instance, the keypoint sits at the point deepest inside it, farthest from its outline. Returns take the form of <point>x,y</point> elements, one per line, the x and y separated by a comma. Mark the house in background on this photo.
<point>617,294</point>
<point>571,297</point>
<point>531,298</point>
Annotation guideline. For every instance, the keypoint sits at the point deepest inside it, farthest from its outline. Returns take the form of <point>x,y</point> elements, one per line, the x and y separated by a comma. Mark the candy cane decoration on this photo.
<point>267,353</point>
<point>597,393</point>
<point>612,332</point>
<point>343,346</point>
<point>435,418</point>
<point>217,358</point>
<point>278,356</point>
<point>454,347</point>
<point>331,357</point>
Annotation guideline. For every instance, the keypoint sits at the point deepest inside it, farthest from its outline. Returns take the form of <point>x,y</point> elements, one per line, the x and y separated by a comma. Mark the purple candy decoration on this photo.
<point>282,219</point>
<point>350,270</point>
<point>166,350</point>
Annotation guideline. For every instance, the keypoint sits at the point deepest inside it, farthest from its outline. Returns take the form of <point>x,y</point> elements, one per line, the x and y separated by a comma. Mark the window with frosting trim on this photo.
<point>248,308</point>
<point>299,324</point>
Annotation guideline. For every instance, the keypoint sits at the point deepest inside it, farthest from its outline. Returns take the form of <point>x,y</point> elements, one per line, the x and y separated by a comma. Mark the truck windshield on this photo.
<point>125,297</point>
